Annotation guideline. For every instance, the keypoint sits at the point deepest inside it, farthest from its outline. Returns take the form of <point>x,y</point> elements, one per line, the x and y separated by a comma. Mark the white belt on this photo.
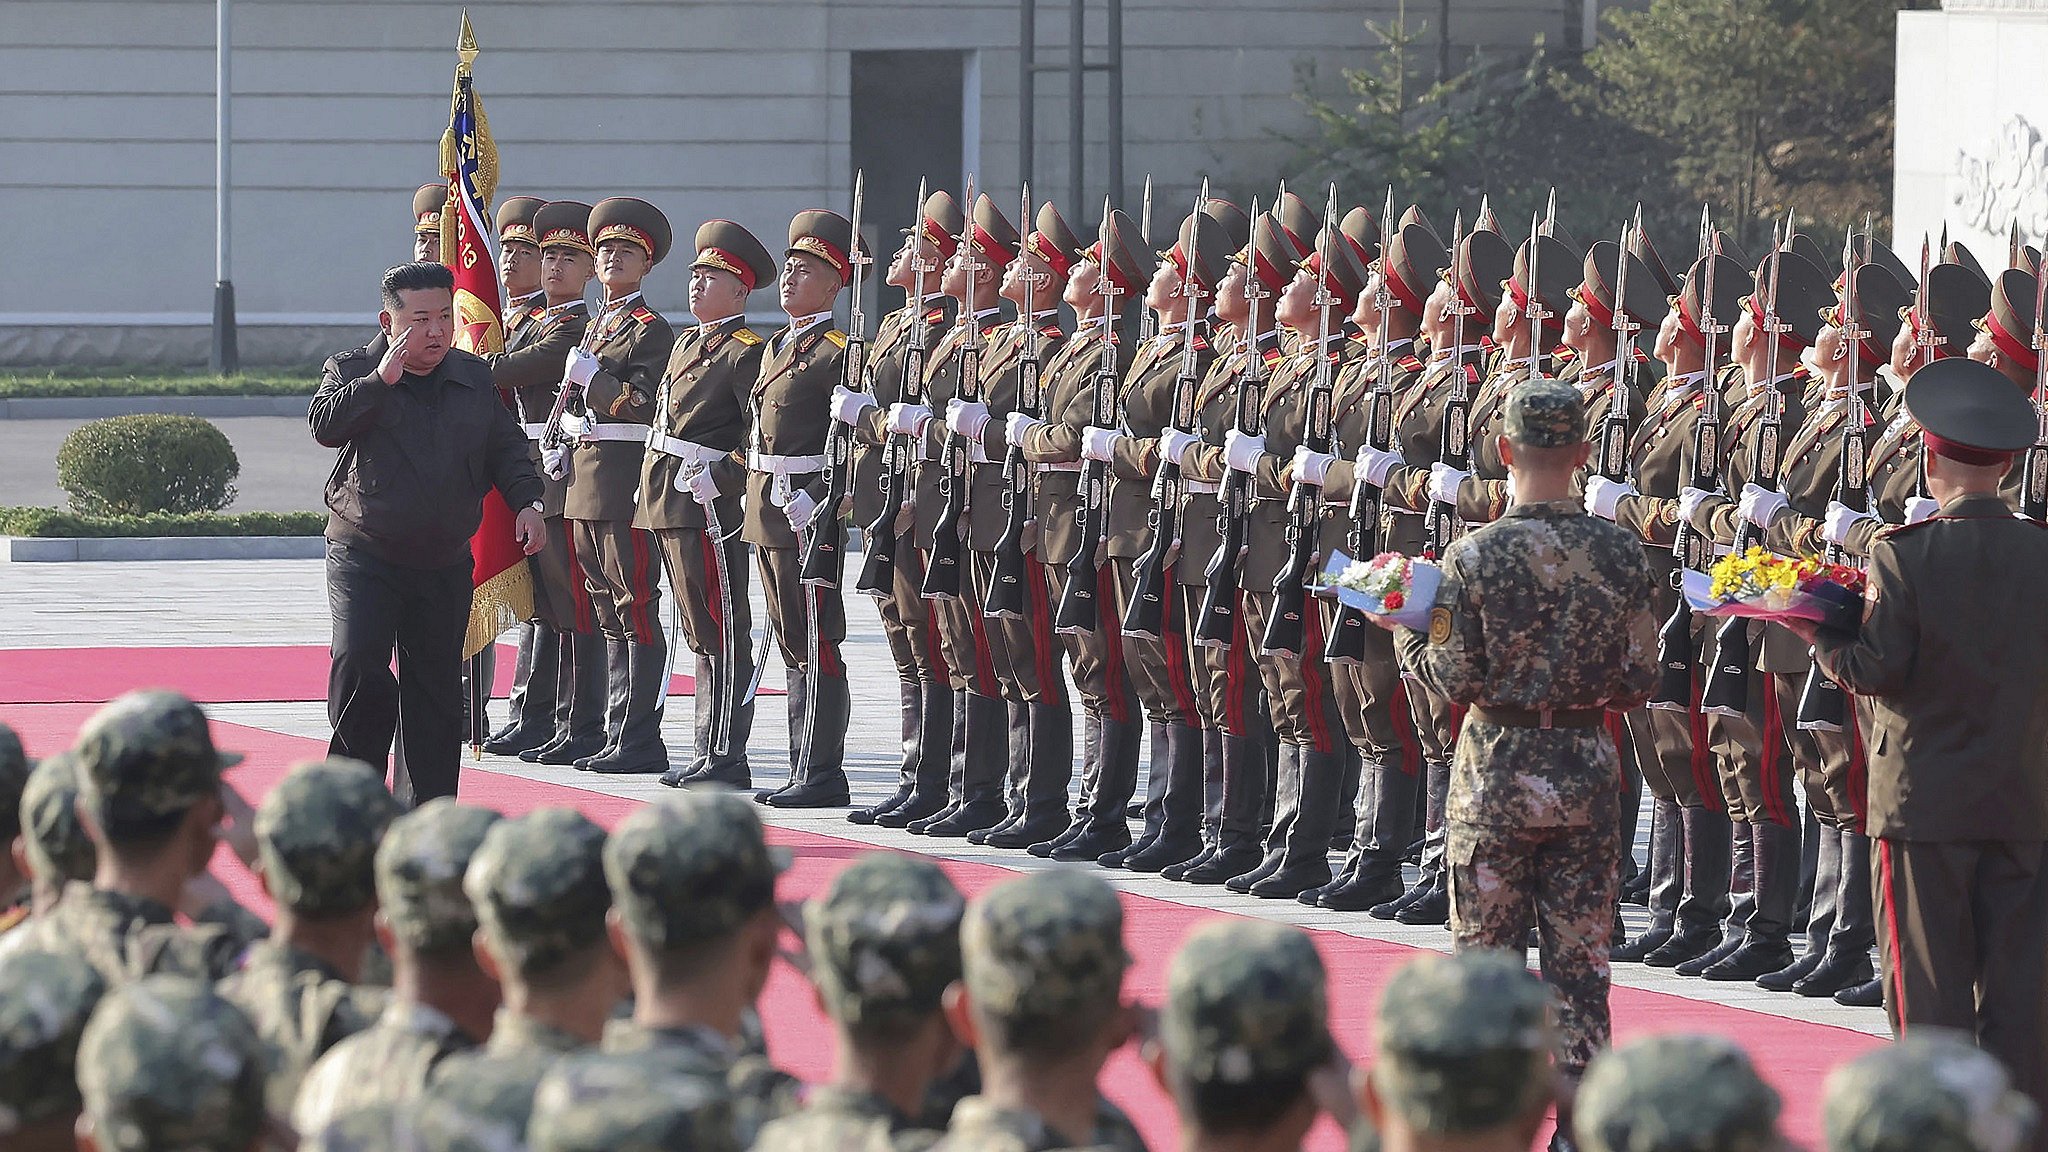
<point>784,465</point>
<point>1058,466</point>
<point>637,433</point>
<point>534,431</point>
<point>689,452</point>
<point>1200,488</point>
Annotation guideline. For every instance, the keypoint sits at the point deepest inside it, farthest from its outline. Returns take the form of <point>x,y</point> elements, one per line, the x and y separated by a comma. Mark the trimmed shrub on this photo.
<point>55,522</point>
<point>144,464</point>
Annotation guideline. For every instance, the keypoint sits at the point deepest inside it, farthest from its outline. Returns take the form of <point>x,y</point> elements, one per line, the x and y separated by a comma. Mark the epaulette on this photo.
<point>1272,355</point>
<point>836,337</point>
<point>1051,331</point>
<point>746,336</point>
<point>644,314</point>
<point>934,314</point>
<point>1409,364</point>
<point>1201,342</point>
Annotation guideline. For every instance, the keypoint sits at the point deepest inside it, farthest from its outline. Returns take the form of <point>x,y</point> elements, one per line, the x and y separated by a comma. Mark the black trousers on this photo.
<point>422,615</point>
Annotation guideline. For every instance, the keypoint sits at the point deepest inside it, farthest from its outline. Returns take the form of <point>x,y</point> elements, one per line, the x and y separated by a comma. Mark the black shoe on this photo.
<point>605,767</point>
<point>1432,908</point>
<point>969,817</point>
<point>827,793</point>
<point>1360,893</point>
<point>1784,978</point>
<point>762,796</point>
<point>1633,951</point>
<point>1028,831</point>
<point>1836,972</point>
<point>869,815</point>
<point>1290,882</point>
<point>909,812</point>
<point>1093,840</point>
<point>1164,852</point>
<point>735,775</point>
<point>981,835</point>
<point>1637,890</point>
<point>1224,864</point>
<point>1388,910</point>
<point>512,740</point>
<point>562,752</point>
<point>917,827</point>
<point>1689,944</point>
<point>1180,871</point>
<point>673,778</point>
<point>1698,965</point>
<point>1268,864</point>
<point>1045,848</point>
<point>1116,858</point>
<point>1869,994</point>
<point>1754,959</point>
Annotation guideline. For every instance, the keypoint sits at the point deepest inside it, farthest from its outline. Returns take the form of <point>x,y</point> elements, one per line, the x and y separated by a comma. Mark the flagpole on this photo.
<point>224,357</point>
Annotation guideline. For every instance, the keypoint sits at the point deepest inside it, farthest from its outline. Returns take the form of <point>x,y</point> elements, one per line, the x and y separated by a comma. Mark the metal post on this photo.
<point>1077,96</point>
<point>1115,42</point>
<point>223,356</point>
<point>1443,41</point>
<point>1027,88</point>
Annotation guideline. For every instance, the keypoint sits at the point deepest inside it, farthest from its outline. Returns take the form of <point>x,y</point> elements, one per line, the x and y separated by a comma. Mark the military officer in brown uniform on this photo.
<point>617,366</point>
<point>1109,754</point>
<point>1186,275</point>
<point>690,485</point>
<point>785,461</point>
<point>1950,658</point>
<point>924,678</point>
<point>427,202</point>
<point>560,684</point>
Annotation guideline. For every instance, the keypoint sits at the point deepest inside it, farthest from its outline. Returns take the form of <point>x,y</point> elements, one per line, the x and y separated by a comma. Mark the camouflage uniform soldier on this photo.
<point>52,841</point>
<point>607,1103</point>
<point>373,1128</point>
<point>538,887</point>
<point>445,1000</point>
<point>1462,1051</point>
<point>1043,966</point>
<point>1932,1091</point>
<point>14,886</point>
<point>45,1000</point>
<point>317,835</point>
<point>1677,1094</point>
<point>693,882</point>
<point>1246,1024</point>
<point>165,1064</point>
<point>1541,624</point>
<point>884,943</point>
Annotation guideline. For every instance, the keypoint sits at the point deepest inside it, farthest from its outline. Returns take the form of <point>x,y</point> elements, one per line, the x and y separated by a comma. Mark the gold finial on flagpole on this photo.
<point>465,46</point>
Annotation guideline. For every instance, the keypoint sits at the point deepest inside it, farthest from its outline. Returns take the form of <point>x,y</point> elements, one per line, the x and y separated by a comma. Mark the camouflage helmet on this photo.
<point>1044,947</point>
<point>45,1000</point>
<point>537,884</point>
<point>317,834</point>
<point>884,939</point>
<point>58,848</point>
<point>1545,413</point>
<point>145,757</point>
<point>420,866</point>
<point>691,868</point>
<point>1933,1091</point>
<point>1464,1041</point>
<point>166,1063</point>
<point>14,768</point>
<point>1676,1093</point>
<point>1245,1004</point>
<point>602,1102</point>
<point>379,1127</point>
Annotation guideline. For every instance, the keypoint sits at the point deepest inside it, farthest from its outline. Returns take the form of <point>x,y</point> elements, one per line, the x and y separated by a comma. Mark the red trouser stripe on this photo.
<point>1234,672</point>
<point>934,647</point>
<point>1706,779</point>
<point>579,586</point>
<point>1774,762</point>
<point>638,586</point>
<point>714,596</point>
<point>1044,655</point>
<point>1887,880</point>
<point>1313,682</point>
<point>1179,676</point>
<point>1113,685</point>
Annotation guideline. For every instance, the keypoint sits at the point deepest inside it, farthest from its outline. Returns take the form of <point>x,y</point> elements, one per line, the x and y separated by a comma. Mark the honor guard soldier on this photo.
<point>883,469</point>
<point>1052,445</point>
<point>792,401</point>
<point>1186,276</point>
<point>558,695</point>
<point>1589,332</point>
<point>616,369</point>
<point>1949,657</point>
<point>427,203</point>
<point>519,260</point>
<point>690,486</point>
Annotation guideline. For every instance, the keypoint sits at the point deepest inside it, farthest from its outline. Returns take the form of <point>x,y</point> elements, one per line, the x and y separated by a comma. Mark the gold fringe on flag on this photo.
<point>497,604</point>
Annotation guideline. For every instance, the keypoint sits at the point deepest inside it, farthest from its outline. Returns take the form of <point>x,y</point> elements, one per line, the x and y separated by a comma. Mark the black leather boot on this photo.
<point>818,745</point>
<point>1869,994</point>
<point>981,780</point>
<point>1767,943</point>
<point>580,715</point>
<point>1158,773</point>
<point>1384,823</point>
<point>1666,885</point>
<point>1847,961</point>
<point>618,691</point>
<point>1051,748</point>
<point>1342,830</point>
<point>1091,771</point>
<point>1709,846</point>
<point>1016,770</point>
<point>1741,903</point>
<point>640,750</point>
<point>1242,815</point>
<point>1104,828</point>
<point>910,703</point>
<point>1305,852</point>
<point>935,729</point>
<point>1179,837</point>
<point>1827,884</point>
<point>532,723</point>
<point>956,768</point>
<point>1212,804</point>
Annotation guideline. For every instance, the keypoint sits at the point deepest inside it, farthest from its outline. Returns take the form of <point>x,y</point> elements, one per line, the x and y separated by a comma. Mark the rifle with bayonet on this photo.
<point>824,559</point>
<point>1345,643</point>
<point>1080,605</point>
<point>1823,706</point>
<point>942,573</point>
<point>1440,520</point>
<point>1216,624</point>
<point>2034,467</point>
<point>880,537</point>
<point>1611,456</point>
<point>1007,589</point>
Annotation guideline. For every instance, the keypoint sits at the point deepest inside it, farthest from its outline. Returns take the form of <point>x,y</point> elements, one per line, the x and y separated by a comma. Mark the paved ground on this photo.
<point>283,470</point>
<point>283,602</point>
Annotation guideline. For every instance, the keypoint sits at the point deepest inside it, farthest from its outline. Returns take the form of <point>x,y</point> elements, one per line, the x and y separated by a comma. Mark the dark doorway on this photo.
<point>907,123</point>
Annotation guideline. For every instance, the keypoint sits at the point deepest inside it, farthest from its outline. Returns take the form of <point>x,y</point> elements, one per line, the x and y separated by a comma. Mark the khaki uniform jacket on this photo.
<point>703,399</point>
<point>1287,397</point>
<point>1146,403</point>
<point>1661,452</point>
<point>631,343</point>
<point>1000,380</point>
<point>1813,465</point>
<point>537,343</point>
<point>1354,393</point>
<point>941,385</point>
<point>1216,402</point>
<point>792,401</point>
<point>1419,433</point>
<point>1069,409</point>
<point>886,358</point>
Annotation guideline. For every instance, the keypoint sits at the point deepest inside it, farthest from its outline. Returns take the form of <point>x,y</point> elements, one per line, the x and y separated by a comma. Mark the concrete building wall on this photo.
<point>734,108</point>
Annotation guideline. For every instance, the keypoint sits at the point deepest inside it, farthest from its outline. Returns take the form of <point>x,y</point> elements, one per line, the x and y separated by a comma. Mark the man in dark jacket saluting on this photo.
<point>423,437</point>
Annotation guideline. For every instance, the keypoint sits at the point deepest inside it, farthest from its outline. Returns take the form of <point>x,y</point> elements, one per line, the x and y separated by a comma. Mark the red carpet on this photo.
<point>1794,1055</point>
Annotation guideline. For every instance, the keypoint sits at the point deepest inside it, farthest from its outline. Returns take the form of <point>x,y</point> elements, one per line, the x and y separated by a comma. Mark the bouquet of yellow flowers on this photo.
<point>1390,584</point>
<point>1762,584</point>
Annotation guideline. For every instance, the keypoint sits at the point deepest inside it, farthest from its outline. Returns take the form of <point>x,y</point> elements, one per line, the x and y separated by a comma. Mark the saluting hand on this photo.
<point>392,367</point>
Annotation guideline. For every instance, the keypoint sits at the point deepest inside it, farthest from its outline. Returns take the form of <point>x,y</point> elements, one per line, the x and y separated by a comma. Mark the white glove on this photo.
<point>555,462</point>
<point>1242,451</point>
<point>1310,467</point>
<point>1603,496</point>
<point>699,484</point>
<point>800,509</point>
<point>1378,463</point>
<point>1760,505</point>
<point>1689,501</point>
<point>1444,481</point>
<point>1017,425</point>
<point>1921,508</point>
<point>575,425</point>
<point>847,405</point>
<point>967,418</point>
<point>579,368</point>
<point>1174,445</point>
<point>1840,519</point>
<point>908,419</point>
<point>1099,443</point>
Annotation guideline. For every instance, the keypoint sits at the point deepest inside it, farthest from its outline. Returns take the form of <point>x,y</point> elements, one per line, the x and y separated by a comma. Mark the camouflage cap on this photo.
<point>884,939</point>
<point>537,884</point>
<point>476,1103</point>
<point>380,1127</point>
<point>420,866</point>
<point>1676,1093</point>
<point>1245,1004</point>
<point>14,768</point>
<point>146,756</point>
<point>1464,1041</point>
<point>168,1064</point>
<point>1933,1091</point>
<point>58,848</point>
<point>1545,413</point>
<point>45,1000</point>
<point>317,834</point>
<point>691,868</point>
<point>601,1102</point>
<point>1044,946</point>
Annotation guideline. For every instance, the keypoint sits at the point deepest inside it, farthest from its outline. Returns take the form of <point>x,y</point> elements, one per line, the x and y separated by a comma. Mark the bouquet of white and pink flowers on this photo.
<point>1399,587</point>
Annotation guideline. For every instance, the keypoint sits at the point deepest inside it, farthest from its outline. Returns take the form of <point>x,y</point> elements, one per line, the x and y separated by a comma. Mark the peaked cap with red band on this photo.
<point>1053,242</point>
<point>515,218</point>
<point>564,224</point>
<point>1646,306</point>
<point>2009,320</point>
<point>427,202</point>
<point>994,236</point>
<point>1415,259</point>
<point>1803,291</point>
<point>631,219</point>
<point>825,235</point>
<point>1969,412</point>
<point>728,247</point>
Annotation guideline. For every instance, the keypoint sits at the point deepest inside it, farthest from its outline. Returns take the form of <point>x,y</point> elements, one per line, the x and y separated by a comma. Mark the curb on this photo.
<point>96,407</point>
<point>46,550</point>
